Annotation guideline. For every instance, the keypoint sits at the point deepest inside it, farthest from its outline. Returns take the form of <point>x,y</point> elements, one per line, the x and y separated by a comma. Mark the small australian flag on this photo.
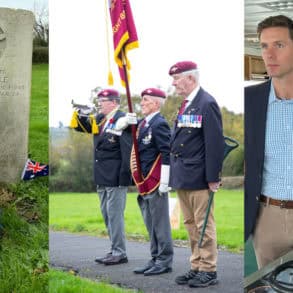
<point>34,169</point>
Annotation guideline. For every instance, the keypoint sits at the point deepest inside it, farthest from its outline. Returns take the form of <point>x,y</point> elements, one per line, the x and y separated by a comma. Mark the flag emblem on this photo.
<point>33,169</point>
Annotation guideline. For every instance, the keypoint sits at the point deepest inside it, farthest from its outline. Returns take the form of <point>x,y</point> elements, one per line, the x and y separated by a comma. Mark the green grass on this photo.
<point>61,282</point>
<point>87,218</point>
<point>24,254</point>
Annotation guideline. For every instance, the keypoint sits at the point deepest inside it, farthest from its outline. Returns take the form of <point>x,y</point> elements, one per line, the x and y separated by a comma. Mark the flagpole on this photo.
<point>133,127</point>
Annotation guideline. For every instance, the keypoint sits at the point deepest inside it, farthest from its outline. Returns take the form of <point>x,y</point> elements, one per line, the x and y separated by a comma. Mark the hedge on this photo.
<point>40,55</point>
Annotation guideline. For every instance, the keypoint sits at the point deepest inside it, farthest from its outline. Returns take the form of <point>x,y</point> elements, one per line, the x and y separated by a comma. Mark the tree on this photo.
<point>41,26</point>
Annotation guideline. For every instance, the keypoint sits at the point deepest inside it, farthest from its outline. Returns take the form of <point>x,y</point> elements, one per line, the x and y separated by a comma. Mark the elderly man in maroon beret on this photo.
<point>111,169</point>
<point>197,148</point>
<point>153,136</point>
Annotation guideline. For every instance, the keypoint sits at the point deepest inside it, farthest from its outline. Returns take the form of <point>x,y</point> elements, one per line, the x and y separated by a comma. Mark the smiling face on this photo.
<point>149,104</point>
<point>277,51</point>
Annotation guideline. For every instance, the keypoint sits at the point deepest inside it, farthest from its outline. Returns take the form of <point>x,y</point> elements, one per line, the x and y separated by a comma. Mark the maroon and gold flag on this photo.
<point>124,33</point>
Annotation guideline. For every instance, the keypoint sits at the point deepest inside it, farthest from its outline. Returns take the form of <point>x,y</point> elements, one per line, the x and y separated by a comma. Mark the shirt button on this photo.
<point>257,198</point>
<point>181,144</point>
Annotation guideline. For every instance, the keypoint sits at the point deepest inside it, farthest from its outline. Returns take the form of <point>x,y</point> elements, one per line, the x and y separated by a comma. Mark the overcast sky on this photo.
<point>209,33</point>
<point>22,4</point>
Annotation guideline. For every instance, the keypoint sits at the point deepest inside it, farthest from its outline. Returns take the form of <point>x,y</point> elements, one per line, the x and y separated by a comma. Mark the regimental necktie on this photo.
<point>182,107</point>
<point>143,123</point>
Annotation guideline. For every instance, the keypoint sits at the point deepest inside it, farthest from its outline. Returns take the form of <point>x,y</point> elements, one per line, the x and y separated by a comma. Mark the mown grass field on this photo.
<point>79,212</point>
<point>61,282</point>
<point>24,246</point>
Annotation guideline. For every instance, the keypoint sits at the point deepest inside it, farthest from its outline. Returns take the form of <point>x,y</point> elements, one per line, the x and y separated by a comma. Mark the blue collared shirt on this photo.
<point>278,160</point>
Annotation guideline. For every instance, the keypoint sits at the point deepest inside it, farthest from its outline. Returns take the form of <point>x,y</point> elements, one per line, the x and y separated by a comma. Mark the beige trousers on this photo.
<point>193,204</point>
<point>273,236</point>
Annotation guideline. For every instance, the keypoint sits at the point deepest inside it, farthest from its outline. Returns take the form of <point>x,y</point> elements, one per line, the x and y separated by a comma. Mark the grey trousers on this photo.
<point>112,204</point>
<point>155,212</point>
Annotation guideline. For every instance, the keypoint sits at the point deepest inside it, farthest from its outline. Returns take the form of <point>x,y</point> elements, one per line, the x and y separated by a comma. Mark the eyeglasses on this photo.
<point>101,100</point>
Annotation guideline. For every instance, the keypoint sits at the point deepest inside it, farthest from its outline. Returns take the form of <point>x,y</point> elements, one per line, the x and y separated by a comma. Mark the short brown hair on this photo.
<point>276,21</point>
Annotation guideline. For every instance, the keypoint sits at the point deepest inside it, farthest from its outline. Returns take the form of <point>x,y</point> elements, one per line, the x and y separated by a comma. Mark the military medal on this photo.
<point>147,139</point>
<point>111,139</point>
<point>193,121</point>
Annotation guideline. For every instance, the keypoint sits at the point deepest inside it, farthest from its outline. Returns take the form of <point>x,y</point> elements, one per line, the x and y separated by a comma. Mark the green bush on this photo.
<point>40,55</point>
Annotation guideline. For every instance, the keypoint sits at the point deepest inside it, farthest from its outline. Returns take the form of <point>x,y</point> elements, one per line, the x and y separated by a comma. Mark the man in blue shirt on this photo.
<point>269,145</point>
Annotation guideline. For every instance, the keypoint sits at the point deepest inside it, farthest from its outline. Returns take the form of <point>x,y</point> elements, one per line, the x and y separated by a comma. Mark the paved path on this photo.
<point>72,251</point>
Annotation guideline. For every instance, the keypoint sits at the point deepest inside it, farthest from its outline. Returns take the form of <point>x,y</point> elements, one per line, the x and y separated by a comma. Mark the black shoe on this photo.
<point>143,269</point>
<point>101,259</point>
<point>115,260</point>
<point>157,270</point>
<point>203,279</point>
<point>182,280</point>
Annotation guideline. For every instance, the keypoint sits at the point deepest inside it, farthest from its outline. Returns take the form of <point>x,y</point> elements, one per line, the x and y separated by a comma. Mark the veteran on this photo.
<point>197,148</point>
<point>153,137</point>
<point>111,169</point>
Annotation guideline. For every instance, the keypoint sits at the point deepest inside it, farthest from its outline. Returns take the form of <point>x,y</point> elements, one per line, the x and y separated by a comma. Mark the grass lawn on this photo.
<point>24,246</point>
<point>61,282</point>
<point>79,212</point>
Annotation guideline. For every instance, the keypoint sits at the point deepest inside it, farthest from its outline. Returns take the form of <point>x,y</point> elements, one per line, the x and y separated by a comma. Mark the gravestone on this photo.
<point>16,36</point>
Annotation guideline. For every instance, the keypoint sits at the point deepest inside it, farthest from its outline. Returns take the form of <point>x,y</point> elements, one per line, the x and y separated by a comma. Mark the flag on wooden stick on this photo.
<point>124,34</point>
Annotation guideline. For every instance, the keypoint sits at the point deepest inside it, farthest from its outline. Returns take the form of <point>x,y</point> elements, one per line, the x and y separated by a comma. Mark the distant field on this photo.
<point>79,212</point>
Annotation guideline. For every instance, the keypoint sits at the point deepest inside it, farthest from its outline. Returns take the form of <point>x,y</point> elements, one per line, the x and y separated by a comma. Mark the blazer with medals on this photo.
<point>154,139</point>
<point>111,152</point>
<point>255,113</point>
<point>197,152</point>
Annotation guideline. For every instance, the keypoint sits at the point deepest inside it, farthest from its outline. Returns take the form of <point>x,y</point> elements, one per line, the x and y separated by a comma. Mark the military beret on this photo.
<point>109,93</point>
<point>182,66</point>
<point>153,92</point>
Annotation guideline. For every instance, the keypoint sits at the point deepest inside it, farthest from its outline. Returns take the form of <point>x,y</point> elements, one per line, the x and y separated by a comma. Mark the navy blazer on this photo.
<point>255,114</point>
<point>111,154</point>
<point>154,139</point>
<point>197,153</point>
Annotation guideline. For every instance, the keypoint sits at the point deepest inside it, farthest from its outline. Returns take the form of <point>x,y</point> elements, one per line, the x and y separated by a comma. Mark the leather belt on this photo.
<point>284,204</point>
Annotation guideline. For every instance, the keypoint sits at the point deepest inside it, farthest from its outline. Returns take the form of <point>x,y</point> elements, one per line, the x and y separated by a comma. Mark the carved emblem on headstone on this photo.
<point>2,41</point>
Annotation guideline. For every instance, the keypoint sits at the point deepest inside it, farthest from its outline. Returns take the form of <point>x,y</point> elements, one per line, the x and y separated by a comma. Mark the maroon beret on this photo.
<point>182,66</point>
<point>109,93</point>
<point>153,92</point>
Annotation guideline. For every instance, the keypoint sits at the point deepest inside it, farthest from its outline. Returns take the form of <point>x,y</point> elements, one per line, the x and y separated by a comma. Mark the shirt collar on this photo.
<point>193,94</point>
<point>272,95</point>
<point>112,113</point>
<point>150,116</point>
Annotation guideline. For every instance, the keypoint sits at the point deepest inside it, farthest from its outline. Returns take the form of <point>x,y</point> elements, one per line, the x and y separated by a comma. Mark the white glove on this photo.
<point>131,118</point>
<point>123,122</point>
<point>165,172</point>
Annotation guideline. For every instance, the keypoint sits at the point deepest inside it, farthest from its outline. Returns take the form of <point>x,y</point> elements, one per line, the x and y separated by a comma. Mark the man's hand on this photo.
<point>123,122</point>
<point>214,186</point>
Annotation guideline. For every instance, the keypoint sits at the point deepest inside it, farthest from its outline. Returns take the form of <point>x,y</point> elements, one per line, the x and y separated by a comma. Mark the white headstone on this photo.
<point>16,36</point>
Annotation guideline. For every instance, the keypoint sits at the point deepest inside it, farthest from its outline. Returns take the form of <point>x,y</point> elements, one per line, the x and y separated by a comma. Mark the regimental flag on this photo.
<point>34,169</point>
<point>124,34</point>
